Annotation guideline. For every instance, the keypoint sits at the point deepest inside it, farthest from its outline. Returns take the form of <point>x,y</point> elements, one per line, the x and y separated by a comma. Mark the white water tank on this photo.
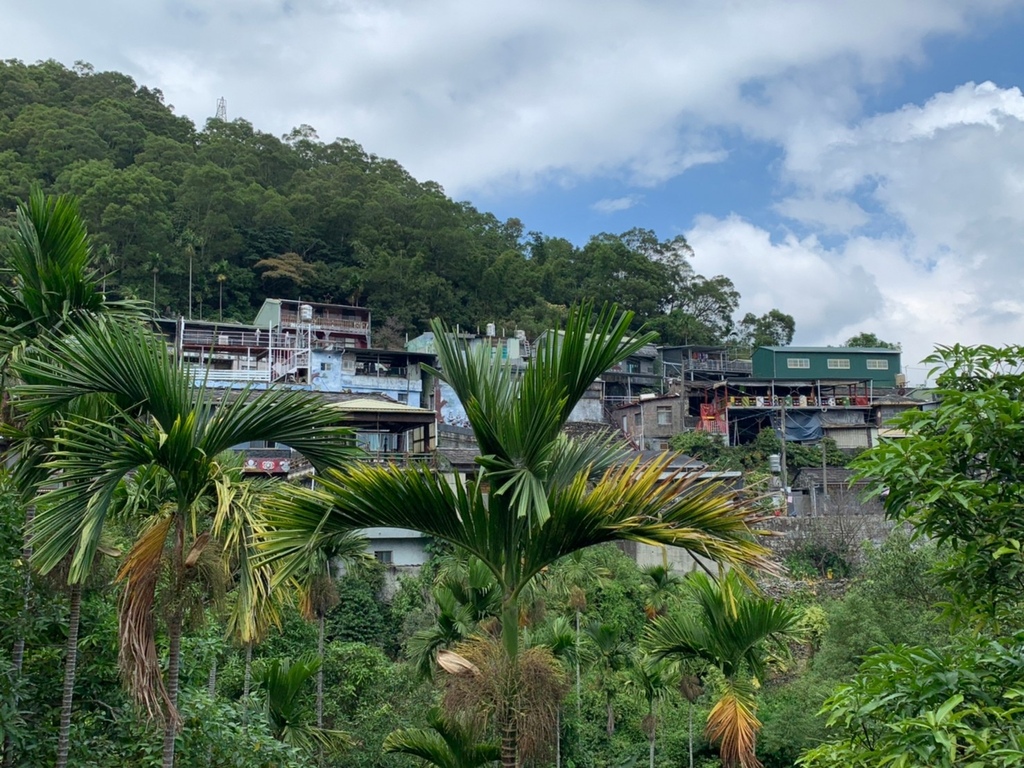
<point>305,313</point>
<point>490,329</point>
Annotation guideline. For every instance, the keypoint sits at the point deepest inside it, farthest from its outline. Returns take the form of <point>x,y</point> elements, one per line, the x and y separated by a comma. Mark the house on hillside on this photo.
<point>694,362</point>
<point>652,420</point>
<point>880,367</point>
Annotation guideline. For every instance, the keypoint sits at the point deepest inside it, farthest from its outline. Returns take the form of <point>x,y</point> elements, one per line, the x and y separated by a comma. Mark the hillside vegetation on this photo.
<point>256,215</point>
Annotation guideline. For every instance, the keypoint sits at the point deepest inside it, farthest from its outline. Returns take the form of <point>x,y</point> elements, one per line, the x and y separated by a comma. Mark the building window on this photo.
<point>326,366</point>
<point>878,365</point>
<point>403,397</point>
<point>841,363</point>
<point>664,415</point>
<point>636,419</point>
<point>798,362</point>
<point>385,556</point>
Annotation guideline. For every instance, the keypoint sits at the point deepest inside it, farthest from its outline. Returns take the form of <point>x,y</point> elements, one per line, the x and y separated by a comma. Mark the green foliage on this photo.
<point>772,329</point>
<point>957,477</point>
<point>361,615</point>
<point>754,455</point>
<point>913,706</point>
<point>289,718</point>
<point>865,339</point>
<point>790,719</point>
<point>450,743</point>
<point>896,599</point>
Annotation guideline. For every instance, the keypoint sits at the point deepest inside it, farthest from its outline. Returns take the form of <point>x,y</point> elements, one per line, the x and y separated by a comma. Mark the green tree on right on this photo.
<point>957,479</point>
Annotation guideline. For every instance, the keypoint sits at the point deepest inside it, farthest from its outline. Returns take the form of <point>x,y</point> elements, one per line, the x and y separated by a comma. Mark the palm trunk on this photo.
<point>211,680</point>
<point>320,676</point>
<point>174,649</point>
<point>18,652</point>
<point>579,696</point>
<point>508,722</point>
<point>246,684</point>
<point>70,664</point>
<point>654,732</point>
<point>691,734</point>
<point>173,672</point>
<point>558,737</point>
<point>610,724</point>
<point>211,690</point>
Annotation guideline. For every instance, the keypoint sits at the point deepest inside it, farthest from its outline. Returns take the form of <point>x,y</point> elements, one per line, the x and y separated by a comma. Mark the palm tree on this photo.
<point>450,743</point>
<point>663,586</point>
<point>655,680</point>
<point>613,655</point>
<point>537,495</point>
<point>558,637</point>
<point>466,594</point>
<point>169,432</point>
<point>281,682</point>
<point>53,290</point>
<point>311,573</point>
<point>731,630</point>
<point>573,577</point>
<point>256,607</point>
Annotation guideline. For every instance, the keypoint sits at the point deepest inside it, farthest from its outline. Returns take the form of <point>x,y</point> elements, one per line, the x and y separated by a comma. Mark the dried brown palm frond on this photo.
<point>530,692</point>
<point>319,596</point>
<point>202,583</point>
<point>732,722</point>
<point>138,660</point>
<point>690,687</point>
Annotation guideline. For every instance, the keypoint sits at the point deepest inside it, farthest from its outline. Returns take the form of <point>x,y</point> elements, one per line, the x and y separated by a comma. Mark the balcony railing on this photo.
<point>201,373</point>
<point>718,366</point>
<point>767,402</point>
<point>327,321</point>
<point>241,339</point>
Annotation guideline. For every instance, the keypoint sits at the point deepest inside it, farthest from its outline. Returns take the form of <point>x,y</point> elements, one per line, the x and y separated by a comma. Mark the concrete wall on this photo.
<point>408,548</point>
<point>450,408</point>
<point>649,434</point>
<point>332,372</point>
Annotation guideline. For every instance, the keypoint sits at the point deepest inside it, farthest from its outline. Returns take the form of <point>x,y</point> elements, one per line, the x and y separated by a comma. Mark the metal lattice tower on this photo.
<point>222,109</point>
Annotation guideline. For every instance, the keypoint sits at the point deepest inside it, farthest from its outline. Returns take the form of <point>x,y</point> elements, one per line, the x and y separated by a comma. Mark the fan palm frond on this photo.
<point>451,742</point>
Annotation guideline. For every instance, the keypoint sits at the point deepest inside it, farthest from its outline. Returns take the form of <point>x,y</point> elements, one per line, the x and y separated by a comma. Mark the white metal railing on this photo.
<point>200,373</point>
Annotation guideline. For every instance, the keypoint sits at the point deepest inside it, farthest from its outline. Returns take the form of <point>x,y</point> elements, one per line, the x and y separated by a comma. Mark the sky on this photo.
<point>859,165</point>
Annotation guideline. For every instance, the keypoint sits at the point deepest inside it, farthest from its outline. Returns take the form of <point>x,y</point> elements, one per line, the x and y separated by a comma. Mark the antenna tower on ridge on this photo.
<point>222,109</point>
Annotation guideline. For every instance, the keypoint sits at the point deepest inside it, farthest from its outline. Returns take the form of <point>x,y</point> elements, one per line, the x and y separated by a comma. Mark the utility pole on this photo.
<point>824,471</point>
<point>784,471</point>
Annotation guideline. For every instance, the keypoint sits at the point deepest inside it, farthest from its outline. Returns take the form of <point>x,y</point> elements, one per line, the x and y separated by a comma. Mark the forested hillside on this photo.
<point>256,215</point>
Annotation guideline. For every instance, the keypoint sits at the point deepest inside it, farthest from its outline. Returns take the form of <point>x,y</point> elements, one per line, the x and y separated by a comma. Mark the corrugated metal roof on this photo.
<point>839,350</point>
<point>368,405</point>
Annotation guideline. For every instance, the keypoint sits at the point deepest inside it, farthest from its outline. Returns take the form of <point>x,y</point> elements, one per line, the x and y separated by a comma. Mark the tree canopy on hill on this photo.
<point>257,216</point>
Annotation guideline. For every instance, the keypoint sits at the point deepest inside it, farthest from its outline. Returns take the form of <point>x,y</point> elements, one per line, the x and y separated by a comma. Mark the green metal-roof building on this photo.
<point>880,366</point>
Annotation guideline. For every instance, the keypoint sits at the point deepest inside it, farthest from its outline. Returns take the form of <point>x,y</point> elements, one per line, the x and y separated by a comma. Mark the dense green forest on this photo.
<point>254,215</point>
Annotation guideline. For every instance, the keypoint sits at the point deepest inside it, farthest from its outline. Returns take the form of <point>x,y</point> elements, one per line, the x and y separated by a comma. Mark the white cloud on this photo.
<point>837,215</point>
<point>927,200</point>
<point>477,95</point>
<point>616,204</point>
<point>943,186</point>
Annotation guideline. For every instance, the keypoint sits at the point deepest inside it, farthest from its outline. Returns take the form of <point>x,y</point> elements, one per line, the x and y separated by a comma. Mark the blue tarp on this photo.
<point>801,426</point>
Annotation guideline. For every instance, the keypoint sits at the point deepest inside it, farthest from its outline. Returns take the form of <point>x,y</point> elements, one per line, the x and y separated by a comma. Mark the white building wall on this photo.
<point>408,548</point>
<point>588,409</point>
<point>451,409</point>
